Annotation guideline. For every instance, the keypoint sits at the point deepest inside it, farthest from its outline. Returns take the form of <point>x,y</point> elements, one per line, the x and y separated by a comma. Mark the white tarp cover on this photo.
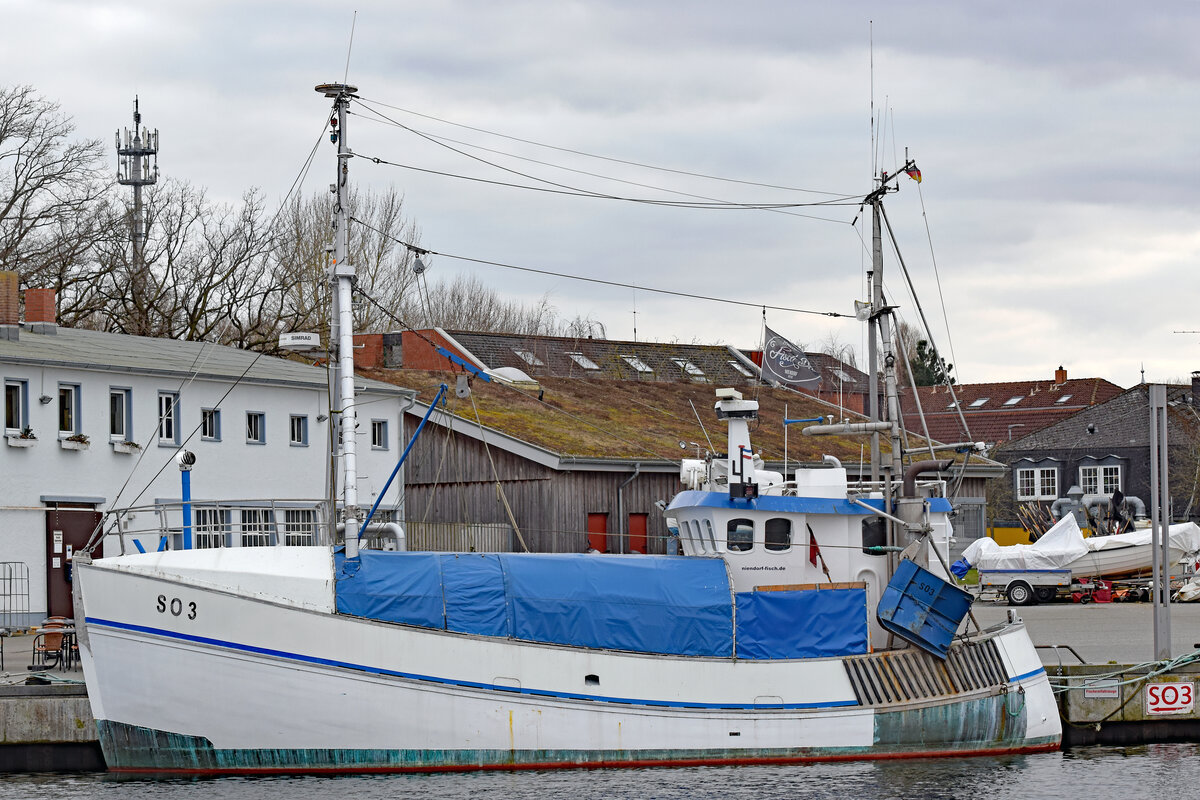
<point>1184,537</point>
<point>1056,548</point>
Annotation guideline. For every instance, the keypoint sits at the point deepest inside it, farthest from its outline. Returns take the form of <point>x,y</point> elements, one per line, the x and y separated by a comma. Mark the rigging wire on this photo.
<point>425,251</point>
<point>441,140</point>
<point>367,103</point>
<point>936,275</point>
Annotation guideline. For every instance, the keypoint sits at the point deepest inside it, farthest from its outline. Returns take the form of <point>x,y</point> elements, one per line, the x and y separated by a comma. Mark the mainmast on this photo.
<point>341,329</point>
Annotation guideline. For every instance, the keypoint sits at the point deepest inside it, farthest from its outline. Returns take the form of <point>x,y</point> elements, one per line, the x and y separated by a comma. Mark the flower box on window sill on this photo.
<point>20,441</point>
<point>126,447</point>
<point>68,444</point>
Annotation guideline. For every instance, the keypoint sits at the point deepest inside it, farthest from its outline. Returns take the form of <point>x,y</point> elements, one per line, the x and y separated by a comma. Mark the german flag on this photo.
<point>913,173</point>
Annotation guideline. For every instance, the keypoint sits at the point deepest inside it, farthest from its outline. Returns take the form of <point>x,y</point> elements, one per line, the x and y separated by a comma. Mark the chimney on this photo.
<point>10,306</point>
<point>1196,388</point>
<point>1060,375</point>
<point>40,313</point>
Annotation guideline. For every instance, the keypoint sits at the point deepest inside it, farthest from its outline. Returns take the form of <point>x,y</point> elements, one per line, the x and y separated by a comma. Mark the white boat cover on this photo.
<point>1184,537</point>
<point>1056,548</point>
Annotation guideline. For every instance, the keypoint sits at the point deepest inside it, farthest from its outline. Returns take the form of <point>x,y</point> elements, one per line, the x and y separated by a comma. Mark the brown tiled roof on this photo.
<point>991,408</point>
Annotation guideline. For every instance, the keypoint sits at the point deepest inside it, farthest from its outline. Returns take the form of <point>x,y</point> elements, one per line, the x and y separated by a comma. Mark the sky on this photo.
<point>1056,222</point>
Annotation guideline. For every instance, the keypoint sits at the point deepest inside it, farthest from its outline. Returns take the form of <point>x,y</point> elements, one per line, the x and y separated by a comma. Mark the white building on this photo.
<point>110,412</point>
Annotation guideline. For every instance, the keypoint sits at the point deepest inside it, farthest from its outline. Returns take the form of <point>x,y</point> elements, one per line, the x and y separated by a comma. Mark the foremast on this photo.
<point>341,328</point>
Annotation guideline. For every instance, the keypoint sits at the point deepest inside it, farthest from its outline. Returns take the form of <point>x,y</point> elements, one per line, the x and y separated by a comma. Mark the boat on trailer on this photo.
<point>806,619</point>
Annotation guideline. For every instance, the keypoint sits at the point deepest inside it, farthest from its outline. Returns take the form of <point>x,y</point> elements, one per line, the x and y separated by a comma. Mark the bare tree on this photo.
<point>50,186</point>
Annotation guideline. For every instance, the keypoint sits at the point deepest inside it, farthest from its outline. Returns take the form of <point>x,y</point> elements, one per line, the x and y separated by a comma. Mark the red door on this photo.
<point>67,530</point>
<point>637,533</point>
<point>598,532</point>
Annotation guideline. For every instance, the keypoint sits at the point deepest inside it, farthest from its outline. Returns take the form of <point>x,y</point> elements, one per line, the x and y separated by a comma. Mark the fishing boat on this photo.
<point>804,621</point>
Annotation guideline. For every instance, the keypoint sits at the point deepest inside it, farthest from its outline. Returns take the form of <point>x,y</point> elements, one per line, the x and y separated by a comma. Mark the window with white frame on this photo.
<point>298,428</point>
<point>1104,479</point>
<point>68,408</point>
<point>641,366</point>
<point>583,361</point>
<point>529,358</point>
<point>688,367</point>
<point>741,368</point>
<point>168,418</point>
<point>1037,483</point>
<point>16,414</point>
<point>210,527</point>
<point>299,527</point>
<point>256,427</point>
<point>119,410</point>
<point>210,424</point>
<point>257,524</point>
<point>379,434</point>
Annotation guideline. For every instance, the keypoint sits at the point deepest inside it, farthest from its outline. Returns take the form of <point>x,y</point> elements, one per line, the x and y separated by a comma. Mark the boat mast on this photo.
<point>342,318</point>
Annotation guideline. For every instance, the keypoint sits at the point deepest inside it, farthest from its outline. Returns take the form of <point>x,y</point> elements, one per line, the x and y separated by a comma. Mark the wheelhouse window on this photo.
<point>119,409</point>
<point>778,534</point>
<point>168,418</point>
<point>15,414</point>
<point>68,408</point>
<point>210,424</point>
<point>379,436</point>
<point>739,535</point>
<point>1039,483</point>
<point>256,427</point>
<point>299,430</point>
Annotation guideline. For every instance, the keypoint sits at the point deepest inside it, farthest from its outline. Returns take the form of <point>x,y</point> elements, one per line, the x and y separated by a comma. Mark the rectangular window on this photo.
<point>210,424</point>
<point>688,367</point>
<point>1110,479</point>
<point>68,408</point>
<point>257,525</point>
<point>583,361</point>
<point>299,430</point>
<point>1089,480</point>
<point>119,410</point>
<point>256,428</point>
<point>638,364</point>
<point>379,437</point>
<point>211,526</point>
<point>299,527</point>
<point>1037,484</point>
<point>740,367</point>
<point>168,418</point>
<point>529,358</point>
<point>15,415</point>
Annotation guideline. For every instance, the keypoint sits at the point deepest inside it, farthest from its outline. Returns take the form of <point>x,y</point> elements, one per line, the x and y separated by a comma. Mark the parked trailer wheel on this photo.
<point>1045,594</point>
<point>1020,593</point>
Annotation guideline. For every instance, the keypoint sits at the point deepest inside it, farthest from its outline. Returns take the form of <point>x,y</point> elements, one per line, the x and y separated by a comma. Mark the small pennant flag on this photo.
<point>913,173</point>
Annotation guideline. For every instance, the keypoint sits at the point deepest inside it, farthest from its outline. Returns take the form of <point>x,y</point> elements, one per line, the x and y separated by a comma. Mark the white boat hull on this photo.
<point>237,682</point>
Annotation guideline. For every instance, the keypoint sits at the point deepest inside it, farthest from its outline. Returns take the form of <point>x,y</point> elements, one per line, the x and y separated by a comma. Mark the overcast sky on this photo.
<point>1057,141</point>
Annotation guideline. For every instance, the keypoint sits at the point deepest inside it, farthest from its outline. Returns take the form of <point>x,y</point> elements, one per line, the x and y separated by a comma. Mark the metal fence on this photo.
<point>14,594</point>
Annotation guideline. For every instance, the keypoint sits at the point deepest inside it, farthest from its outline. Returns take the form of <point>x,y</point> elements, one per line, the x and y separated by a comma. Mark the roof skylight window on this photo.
<point>740,367</point>
<point>529,358</point>
<point>1012,401</point>
<point>978,402</point>
<point>638,364</point>
<point>583,361</point>
<point>1063,399</point>
<point>688,367</point>
<point>841,375</point>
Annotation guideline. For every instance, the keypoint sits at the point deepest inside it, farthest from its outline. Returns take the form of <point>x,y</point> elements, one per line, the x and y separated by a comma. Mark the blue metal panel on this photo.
<point>805,624</point>
<point>921,608</point>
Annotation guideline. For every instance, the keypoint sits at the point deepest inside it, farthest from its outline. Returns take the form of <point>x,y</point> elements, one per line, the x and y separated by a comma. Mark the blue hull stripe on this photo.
<point>326,662</point>
<point>1032,673</point>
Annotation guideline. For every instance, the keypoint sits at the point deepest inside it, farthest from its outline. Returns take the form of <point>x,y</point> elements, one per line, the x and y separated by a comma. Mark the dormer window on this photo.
<point>529,358</point>
<point>638,364</point>
<point>583,361</point>
<point>1012,401</point>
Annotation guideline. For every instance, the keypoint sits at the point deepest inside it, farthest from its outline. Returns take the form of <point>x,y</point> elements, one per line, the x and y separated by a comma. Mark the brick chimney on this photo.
<point>40,311</point>
<point>1196,388</point>
<point>1060,375</point>
<point>10,306</point>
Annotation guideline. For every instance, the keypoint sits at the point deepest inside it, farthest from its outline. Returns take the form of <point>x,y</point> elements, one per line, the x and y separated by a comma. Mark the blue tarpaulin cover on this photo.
<point>649,604</point>
<point>801,624</point>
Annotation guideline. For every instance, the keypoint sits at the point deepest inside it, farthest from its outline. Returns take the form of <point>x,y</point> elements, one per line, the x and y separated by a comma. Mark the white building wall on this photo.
<point>228,469</point>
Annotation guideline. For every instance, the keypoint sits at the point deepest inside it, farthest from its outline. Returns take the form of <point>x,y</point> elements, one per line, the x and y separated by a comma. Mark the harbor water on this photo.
<point>1161,770</point>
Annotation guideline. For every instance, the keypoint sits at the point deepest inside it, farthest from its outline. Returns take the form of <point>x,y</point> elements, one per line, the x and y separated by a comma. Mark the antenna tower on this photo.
<point>137,166</point>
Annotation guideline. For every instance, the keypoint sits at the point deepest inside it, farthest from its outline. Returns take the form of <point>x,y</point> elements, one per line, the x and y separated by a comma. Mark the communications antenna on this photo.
<point>137,166</point>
